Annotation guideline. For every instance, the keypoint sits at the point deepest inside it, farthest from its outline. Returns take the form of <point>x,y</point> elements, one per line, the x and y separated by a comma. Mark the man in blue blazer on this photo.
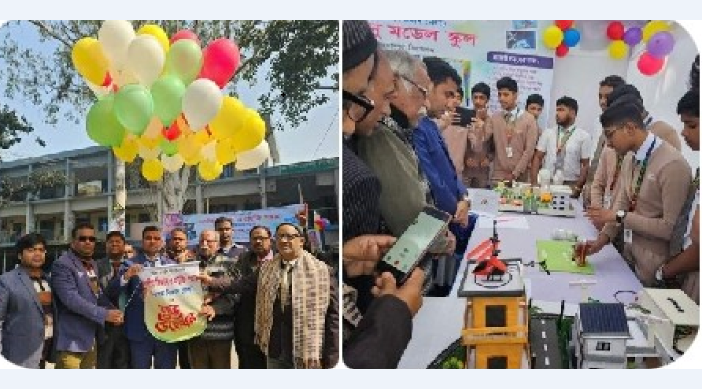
<point>26,312</point>
<point>144,347</point>
<point>81,306</point>
<point>446,186</point>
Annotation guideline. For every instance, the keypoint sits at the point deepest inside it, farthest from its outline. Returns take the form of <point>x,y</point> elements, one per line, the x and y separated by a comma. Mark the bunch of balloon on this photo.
<point>659,44</point>
<point>618,48</point>
<point>561,37</point>
<point>161,99</point>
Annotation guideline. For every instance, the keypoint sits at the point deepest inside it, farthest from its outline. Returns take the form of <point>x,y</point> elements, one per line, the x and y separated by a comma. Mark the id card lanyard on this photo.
<point>636,187</point>
<point>511,122</point>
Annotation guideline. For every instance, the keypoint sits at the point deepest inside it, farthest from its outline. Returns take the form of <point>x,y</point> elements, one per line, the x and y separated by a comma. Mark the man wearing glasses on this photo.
<point>297,312</point>
<point>213,349</point>
<point>654,185</point>
<point>82,308</point>
<point>248,353</point>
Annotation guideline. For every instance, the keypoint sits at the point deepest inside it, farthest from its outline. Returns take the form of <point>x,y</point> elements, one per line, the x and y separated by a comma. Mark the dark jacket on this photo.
<point>381,337</point>
<point>222,326</point>
<point>361,188</point>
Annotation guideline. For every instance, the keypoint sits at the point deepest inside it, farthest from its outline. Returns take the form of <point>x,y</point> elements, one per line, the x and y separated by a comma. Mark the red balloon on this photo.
<point>615,31</point>
<point>108,80</point>
<point>650,65</point>
<point>564,24</point>
<point>562,50</point>
<point>172,132</point>
<point>220,61</point>
<point>185,34</point>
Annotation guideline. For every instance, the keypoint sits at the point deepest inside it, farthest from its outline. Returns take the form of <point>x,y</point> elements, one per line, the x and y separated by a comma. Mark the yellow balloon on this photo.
<point>203,137</point>
<point>127,151</point>
<point>194,160</point>
<point>553,36</point>
<point>156,32</point>
<point>653,27</point>
<point>229,119</point>
<point>188,146</point>
<point>89,60</point>
<point>209,170</point>
<point>150,143</point>
<point>224,151</point>
<point>252,132</point>
<point>618,49</point>
<point>152,169</point>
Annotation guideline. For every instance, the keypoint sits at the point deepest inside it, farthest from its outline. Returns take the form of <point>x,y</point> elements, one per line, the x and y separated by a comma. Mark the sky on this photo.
<point>318,137</point>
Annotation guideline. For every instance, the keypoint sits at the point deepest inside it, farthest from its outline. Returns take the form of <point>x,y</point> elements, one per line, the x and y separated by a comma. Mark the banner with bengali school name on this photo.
<point>172,302</point>
<point>480,50</point>
<point>243,221</point>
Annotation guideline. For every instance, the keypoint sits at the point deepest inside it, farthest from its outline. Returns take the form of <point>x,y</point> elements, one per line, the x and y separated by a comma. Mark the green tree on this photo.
<point>12,128</point>
<point>298,58</point>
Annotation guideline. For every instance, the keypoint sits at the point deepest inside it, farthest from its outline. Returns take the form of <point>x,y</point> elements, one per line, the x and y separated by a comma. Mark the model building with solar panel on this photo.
<point>601,332</point>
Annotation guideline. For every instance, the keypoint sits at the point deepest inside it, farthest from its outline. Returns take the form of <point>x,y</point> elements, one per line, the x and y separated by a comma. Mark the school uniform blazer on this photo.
<point>79,313</point>
<point>21,320</point>
<point>661,198</point>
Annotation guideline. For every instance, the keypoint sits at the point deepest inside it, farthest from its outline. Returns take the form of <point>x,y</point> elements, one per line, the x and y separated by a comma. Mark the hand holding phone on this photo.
<point>410,248</point>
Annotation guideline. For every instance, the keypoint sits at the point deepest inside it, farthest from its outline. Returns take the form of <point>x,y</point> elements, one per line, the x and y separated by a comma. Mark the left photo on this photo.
<point>169,194</point>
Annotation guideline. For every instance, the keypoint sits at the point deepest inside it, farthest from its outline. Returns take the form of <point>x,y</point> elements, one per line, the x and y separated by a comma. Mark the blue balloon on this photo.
<point>571,37</point>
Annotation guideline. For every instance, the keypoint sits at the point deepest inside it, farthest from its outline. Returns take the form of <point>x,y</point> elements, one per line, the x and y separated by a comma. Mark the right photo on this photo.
<point>519,194</point>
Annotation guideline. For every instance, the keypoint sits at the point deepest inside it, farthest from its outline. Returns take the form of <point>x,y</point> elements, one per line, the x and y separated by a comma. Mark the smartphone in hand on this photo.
<point>404,256</point>
<point>464,116</point>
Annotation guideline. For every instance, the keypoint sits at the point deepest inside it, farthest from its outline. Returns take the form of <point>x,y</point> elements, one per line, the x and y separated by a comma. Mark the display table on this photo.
<point>440,320</point>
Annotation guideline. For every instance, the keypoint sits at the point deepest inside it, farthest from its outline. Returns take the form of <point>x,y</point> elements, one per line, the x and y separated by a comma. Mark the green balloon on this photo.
<point>169,148</point>
<point>167,93</point>
<point>184,60</point>
<point>102,125</point>
<point>134,108</point>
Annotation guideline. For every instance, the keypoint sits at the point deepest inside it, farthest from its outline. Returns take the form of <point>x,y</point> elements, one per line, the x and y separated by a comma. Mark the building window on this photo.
<point>497,362</point>
<point>602,346</point>
<point>495,316</point>
<point>102,224</point>
<point>144,218</point>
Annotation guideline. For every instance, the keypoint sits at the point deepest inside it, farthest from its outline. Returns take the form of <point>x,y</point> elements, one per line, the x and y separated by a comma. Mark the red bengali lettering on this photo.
<point>395,30</point>
<point>170,318</point>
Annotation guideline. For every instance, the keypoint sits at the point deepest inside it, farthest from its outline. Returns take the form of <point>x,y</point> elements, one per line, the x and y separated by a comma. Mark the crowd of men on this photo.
<point>89,313</point>
<point>405,147</point>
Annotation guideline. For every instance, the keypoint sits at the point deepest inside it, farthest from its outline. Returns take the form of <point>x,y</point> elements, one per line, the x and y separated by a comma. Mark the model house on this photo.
<point>600,334</point>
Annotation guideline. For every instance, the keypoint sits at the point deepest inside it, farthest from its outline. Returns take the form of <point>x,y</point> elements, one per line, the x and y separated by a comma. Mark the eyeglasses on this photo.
<point>32,250</point>
<point>209,240</point>
<point>288,237</point>
<point>91,239</point>
<point>361,107</point>
<point>424,91</point>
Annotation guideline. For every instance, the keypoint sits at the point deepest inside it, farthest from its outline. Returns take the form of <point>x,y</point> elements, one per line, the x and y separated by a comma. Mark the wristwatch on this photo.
<point>621,214</point>
<point>659,273</point>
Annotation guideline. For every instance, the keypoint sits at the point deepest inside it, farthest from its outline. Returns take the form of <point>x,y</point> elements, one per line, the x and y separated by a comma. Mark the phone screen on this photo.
<point>465,116</point>
<point>409,249</point>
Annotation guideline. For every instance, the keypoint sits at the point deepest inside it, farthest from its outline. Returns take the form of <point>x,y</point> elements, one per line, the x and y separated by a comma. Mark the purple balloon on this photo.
<point>660,44</point>
<point>633,36</point>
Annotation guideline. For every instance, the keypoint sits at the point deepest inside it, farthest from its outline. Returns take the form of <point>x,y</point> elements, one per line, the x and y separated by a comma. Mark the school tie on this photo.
<point>285,285</point>
<point>677,239</point>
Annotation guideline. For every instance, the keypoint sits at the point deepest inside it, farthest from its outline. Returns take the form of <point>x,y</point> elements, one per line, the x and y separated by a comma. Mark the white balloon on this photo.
<point>209,151</point>
<point>98,90</point>
<point>145,58</point>
<point>115,37</point>
<point>147,153</point>
<point>172,164</point>
<point>201,102</point>
<point>122,77</point>
<point>253,158</point>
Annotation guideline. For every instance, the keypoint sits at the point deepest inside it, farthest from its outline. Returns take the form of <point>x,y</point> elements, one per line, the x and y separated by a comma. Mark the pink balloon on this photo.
<point>220,61</point>
<point>185,34</point>
<point>649,65</point>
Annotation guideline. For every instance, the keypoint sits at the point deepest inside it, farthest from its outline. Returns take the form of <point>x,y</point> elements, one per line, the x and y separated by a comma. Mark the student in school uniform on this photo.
<point>654,184</point>
<point>514,133</point>
<point>683,268</point>
<point>477,157</point>
<point>535,106</point>
<point>565,148</point>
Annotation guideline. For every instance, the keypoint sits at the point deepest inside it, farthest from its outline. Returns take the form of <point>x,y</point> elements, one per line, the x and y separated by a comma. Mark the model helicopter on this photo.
<point>492,267</point>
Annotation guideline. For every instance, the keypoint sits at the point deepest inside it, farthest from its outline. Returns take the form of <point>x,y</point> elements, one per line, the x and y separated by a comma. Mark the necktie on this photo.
<point>285,285</point>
